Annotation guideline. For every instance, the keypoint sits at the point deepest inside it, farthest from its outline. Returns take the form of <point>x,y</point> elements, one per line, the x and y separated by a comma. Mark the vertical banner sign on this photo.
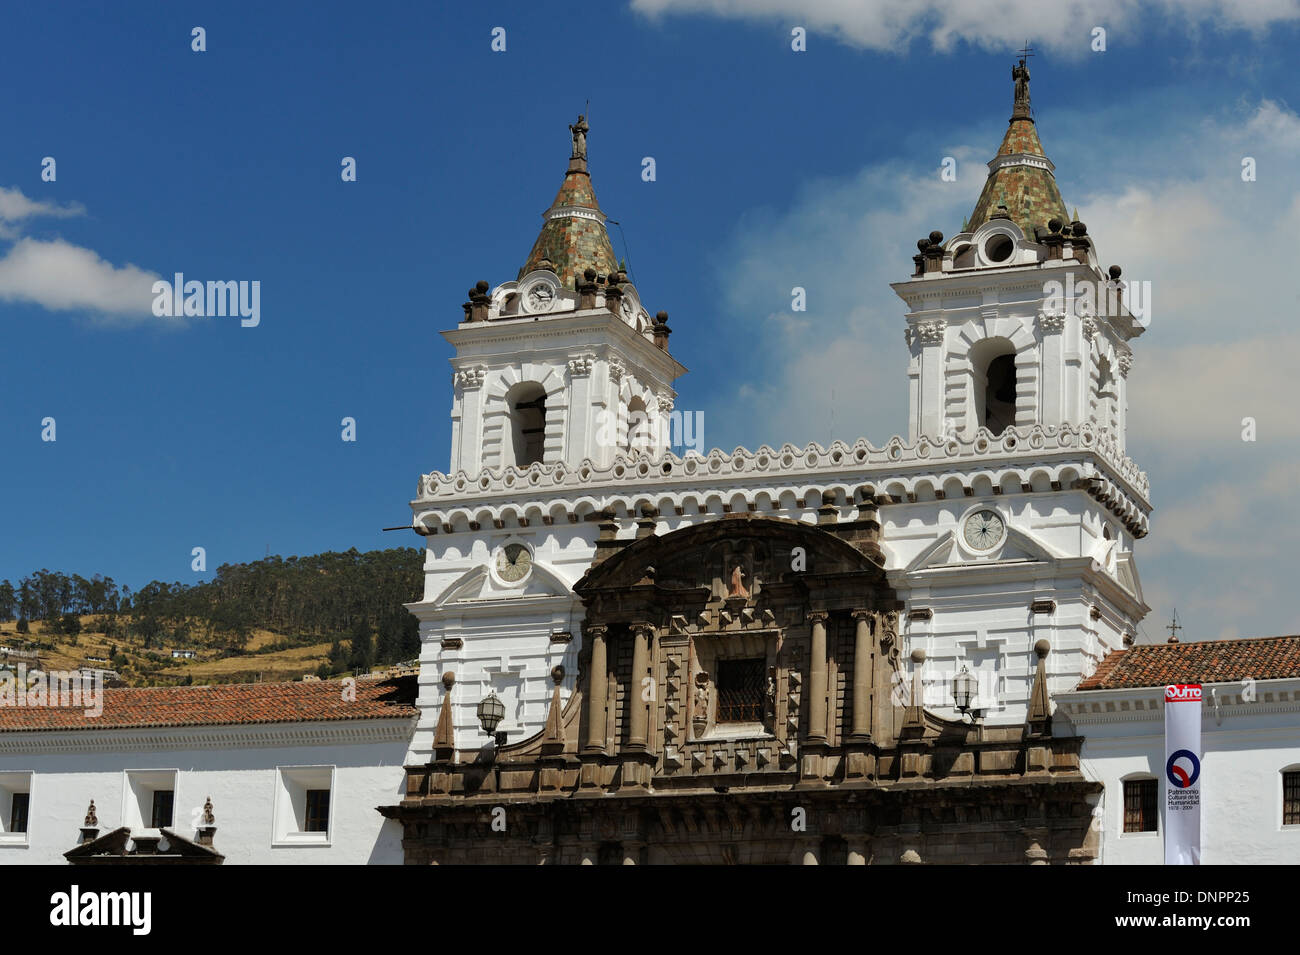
<point>1183,774</point>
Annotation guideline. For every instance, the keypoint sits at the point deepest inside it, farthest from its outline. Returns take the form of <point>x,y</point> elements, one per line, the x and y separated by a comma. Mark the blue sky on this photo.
<point>775,169</point>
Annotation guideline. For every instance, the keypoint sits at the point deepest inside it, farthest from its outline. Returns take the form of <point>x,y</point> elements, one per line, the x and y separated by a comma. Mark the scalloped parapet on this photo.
<point>1121,484</point>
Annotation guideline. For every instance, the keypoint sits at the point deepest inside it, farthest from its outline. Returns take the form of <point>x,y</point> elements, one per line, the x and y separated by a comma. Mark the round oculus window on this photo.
<point>999,248</point>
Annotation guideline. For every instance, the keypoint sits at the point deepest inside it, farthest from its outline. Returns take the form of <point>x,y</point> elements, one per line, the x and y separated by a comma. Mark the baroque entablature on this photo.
<point>1021,459</point>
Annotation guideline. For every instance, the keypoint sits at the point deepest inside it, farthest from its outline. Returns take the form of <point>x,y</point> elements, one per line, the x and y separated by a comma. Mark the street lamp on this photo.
<point>963,693</point>
<point>490,712</point>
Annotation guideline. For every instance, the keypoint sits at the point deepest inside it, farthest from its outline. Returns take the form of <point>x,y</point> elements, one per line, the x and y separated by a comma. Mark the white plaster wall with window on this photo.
<point>244,770</point>
<point>1247,745</point>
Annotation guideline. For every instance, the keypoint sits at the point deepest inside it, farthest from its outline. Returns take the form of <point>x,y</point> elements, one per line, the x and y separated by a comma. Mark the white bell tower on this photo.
<point>1012,321</point>
<point>563,364</point>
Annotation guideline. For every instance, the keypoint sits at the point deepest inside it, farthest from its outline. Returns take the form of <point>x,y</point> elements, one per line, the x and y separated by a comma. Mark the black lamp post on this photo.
<point>963,693</point>
<point>490,712</point>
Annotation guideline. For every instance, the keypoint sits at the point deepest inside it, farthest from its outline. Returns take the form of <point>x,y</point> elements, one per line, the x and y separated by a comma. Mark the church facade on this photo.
<point>728,643</point>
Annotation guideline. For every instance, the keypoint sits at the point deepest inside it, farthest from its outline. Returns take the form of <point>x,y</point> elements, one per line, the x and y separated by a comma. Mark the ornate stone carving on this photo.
<point>1089,326</point>
<point>616,370</point>
<point>581,365</point>
<point>665,402</point>
<point>1125,364</point>
<point>931,332</point>
<point>1051,321</point>
<point>467,378</point>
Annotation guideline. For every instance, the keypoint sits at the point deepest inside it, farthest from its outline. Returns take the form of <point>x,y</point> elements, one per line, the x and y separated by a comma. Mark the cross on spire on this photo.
<point>1173,627</point>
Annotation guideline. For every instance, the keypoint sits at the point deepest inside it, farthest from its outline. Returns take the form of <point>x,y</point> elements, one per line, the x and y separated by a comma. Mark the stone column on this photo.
<point>597,683</point>
<point>817,679</point>
<point>636,704</point>
<point>862,676</point>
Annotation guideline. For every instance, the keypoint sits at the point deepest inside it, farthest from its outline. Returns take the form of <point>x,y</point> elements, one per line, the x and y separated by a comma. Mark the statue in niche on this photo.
<point>700,703</point>
<point>737,587</point>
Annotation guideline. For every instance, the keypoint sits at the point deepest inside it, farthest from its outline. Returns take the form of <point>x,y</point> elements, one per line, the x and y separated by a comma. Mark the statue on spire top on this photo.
<point>1021,75</point>
<point>579,132</point>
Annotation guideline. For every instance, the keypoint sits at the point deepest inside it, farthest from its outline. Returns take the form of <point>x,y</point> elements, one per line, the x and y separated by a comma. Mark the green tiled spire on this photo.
<point>573,237</point>
<point>1031,180</point>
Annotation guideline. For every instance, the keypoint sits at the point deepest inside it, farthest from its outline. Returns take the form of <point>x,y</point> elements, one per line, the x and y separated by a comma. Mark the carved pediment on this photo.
<point>732,557</point>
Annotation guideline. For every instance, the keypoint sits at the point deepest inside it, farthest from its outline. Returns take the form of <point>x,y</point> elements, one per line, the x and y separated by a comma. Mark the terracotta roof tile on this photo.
<point>224,705</point>
<point>1209,661</point>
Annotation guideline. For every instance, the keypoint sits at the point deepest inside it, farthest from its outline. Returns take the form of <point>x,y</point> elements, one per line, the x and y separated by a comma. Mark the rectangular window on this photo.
<point>318,811</point>
<point>1140,806</point>
<point>18,805</point>
<point>162,809</point>
<point>740,691</point>
<point>303,798</point>
<point>1291,799</point>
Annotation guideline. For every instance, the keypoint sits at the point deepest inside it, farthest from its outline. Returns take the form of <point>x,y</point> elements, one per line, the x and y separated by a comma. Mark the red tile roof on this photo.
<point>224,705</point>
<point>1210,661</point>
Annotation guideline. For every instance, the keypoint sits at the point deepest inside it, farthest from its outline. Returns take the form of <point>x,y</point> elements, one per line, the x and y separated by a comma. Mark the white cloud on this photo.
<point>995,25</point>
<point>58,275</point>
<point>16,209</point>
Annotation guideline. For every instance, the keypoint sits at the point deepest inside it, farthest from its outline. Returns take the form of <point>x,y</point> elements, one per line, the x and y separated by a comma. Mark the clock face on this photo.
<point>539,298</point>
<point>513,563</point>
<point>984,530</point>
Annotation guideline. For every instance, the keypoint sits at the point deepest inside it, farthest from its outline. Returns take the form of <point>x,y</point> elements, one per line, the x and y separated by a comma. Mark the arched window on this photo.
<point>527,403</point>
<point>1000,394</point>
<point>994,390</point>
<point>638,426</point>
<point>964,257</point>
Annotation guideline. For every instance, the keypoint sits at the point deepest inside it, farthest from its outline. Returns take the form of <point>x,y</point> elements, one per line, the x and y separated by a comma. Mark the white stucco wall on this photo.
<point>238,769</point>
<point>1245,748</point>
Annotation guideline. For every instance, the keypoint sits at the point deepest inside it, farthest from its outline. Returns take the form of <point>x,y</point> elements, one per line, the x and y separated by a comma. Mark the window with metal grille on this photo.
<point>318,811</point>
<point>740,691</point>
<point>18,812</point>
<point>162,808</point>
<point>1140,807</point>
<point>1291,799</point>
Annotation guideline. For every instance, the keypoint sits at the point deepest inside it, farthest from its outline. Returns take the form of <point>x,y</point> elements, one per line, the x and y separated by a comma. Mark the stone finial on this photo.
<point>661,331</point>
<point>92,820</point>
<point>444,735</point>
<point>207,819</point>
<point>587,289</point>
<point>1040,704</point>
<point>478,302</point>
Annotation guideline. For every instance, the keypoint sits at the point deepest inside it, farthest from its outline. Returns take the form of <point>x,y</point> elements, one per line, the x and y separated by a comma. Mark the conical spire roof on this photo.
<point>1020,175</point>
<point>573,237</point>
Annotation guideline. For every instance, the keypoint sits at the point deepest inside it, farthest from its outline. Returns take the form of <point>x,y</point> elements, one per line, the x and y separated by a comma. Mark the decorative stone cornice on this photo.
<point>1091,454</point>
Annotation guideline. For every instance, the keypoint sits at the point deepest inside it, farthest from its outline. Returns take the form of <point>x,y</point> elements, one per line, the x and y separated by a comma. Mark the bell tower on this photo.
<point>1012,321</point>
<point>563,364</point>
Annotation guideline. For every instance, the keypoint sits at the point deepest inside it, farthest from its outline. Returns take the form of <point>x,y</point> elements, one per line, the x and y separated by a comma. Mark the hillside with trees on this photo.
<point>350,602</point>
